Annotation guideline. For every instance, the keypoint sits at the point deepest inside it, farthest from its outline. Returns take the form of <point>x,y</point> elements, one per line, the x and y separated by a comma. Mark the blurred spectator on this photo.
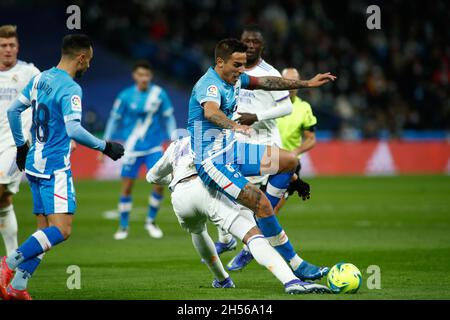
<point>389,80</point>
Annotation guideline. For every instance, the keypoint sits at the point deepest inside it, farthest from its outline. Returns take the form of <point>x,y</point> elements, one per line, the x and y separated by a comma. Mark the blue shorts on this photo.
<point>54,195</point>
<point>131,165</point>
<point>226,170</point>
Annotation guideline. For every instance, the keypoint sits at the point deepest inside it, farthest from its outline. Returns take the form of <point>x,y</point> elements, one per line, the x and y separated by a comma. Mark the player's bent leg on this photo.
<point>62,221</point>
<point>226,242</point>
<point>8,221</point>
<point>281,164</point>
<point>280,205</point>
<point>254,199</point>
<point>231,183</point>
<point>39,242</point>
<point>262,251</point>
<point>205,247</point>
<point>276,160</point>
<point>17,290</point>
<point>188,200</point>
<point>268,257</point>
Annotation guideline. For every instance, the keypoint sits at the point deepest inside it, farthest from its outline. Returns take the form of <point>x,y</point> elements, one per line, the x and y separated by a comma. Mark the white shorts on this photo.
<point>194,204</point>
<point>9,173</point>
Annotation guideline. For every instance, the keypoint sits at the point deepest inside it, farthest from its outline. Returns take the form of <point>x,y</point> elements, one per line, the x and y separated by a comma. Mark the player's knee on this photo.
<point>291,162</point>
<point>66,231</point>
<point>252,232</point>
<point>264,208</point>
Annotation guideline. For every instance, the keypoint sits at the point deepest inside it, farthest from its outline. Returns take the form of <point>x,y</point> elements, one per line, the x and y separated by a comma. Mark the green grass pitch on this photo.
<point>401,224</point>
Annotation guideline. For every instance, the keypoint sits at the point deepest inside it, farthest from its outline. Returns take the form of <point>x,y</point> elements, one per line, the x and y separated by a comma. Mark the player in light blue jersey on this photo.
<point>55,99</point>
<point>143,114</point>
<point>221,161</point>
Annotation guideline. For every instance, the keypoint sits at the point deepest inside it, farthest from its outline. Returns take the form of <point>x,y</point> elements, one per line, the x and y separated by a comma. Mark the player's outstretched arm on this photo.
<point>15,123</point>
<point>76,132</point>
<point>282,108</point>
<point>160,173</point>
<point>277,83</point>
<point>213,113</point>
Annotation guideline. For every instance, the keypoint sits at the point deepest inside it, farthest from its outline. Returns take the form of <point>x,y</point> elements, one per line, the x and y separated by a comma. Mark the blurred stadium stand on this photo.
<point>393,82</point>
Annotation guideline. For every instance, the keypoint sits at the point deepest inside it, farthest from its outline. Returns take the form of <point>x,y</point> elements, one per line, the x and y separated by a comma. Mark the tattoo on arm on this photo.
<point>276,83</point>
<point>250,197</point>
<point>222,121</point>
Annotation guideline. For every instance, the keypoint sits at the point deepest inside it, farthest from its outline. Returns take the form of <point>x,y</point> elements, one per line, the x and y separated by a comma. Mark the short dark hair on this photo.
<point>73,43</point>
<point>226,47</point>
<point>252,28</point>
<point>142,64</point>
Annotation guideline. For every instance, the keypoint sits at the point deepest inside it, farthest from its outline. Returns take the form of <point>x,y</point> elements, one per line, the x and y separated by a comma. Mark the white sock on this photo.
<point>205,247</point>
<point>224,236</point>
<point>295,262</point>
<point>268,257</point>
<point>8,228</point>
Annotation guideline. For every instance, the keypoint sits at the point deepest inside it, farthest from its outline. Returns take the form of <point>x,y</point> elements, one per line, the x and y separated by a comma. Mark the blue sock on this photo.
<point>24,272</point>
<point>125,205</point>
<point>39,242</point>
<point>276,236</point>
<point>154,202</point>
<point>277,186</point>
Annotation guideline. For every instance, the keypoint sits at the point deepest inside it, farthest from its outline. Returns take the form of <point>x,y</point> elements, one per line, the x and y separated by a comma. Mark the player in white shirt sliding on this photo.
<point>14,76</point>
<point>194,204</point>
<point>260,109</point>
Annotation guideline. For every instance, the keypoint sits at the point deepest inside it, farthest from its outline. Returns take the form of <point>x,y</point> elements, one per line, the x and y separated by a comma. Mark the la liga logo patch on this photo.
<point>212,91</point>
<point>75,101</point>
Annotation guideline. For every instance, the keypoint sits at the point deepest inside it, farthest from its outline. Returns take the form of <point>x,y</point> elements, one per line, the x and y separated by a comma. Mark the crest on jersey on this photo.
<point>75,101</point>
<point>212,91</point>
<point>15,78</point>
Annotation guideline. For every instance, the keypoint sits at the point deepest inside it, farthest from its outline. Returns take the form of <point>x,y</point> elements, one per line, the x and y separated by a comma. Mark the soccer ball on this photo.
<point>344,278</point>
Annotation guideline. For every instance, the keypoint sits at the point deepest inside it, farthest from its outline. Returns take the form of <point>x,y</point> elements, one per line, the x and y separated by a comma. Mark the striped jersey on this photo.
<point>142,116</point>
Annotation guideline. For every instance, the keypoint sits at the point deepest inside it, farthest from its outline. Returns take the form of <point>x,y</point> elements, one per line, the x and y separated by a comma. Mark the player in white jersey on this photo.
<point>194,204</point>
<point>14,76</point>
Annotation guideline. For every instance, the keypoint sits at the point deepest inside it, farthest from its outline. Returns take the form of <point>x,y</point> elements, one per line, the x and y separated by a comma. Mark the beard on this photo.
<point>79,73</point>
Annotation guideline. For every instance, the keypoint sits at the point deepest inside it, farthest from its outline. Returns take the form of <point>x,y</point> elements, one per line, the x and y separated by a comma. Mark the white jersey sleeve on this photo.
<point>267,105</point>
<point>177,163</point>
<point>12,82</point>
<point>161,172</point>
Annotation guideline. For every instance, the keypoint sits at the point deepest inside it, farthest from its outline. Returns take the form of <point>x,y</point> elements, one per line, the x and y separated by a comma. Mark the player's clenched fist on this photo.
<point>21,157</point>
<point>114,150</point>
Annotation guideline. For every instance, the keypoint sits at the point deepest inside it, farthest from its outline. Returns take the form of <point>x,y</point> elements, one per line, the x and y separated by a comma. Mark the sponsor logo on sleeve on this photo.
<point>212,91</point>
<point>75,101</point>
